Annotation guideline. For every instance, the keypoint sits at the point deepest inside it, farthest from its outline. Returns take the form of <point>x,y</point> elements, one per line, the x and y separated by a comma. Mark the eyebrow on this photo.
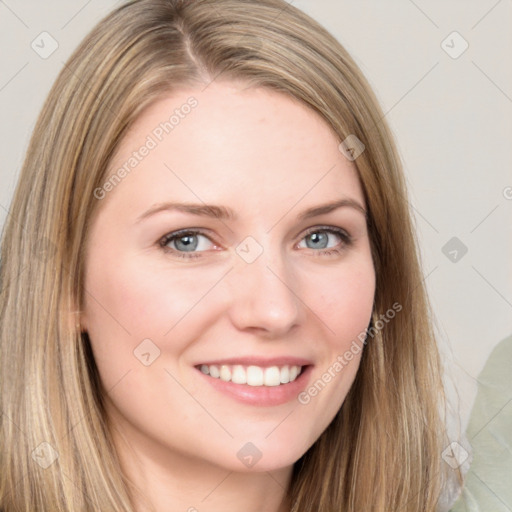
<point>224,213</point>
<point>329,207</point>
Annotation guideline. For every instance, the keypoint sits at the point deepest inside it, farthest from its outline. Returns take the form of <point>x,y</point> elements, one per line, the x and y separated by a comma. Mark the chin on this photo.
<point>268,455</point>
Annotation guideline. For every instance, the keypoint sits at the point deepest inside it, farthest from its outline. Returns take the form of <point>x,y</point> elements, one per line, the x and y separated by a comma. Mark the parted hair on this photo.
<point>382,451</point>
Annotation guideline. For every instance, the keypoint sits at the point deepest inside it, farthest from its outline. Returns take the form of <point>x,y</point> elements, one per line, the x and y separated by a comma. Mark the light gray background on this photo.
<point>452,118</point>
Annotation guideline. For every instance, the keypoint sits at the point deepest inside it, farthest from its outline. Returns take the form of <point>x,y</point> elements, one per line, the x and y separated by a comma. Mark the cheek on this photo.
<point>130,300</point>
<point>343,299</point>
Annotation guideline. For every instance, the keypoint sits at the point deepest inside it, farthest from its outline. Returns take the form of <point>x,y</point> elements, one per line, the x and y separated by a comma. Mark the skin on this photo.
<point>268,158</point>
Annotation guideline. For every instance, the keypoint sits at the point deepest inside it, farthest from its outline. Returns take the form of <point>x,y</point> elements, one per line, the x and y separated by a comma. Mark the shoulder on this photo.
<point>487,486</point>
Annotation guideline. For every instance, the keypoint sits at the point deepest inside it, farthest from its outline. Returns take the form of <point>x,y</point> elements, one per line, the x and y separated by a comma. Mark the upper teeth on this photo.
<point>253,375</point>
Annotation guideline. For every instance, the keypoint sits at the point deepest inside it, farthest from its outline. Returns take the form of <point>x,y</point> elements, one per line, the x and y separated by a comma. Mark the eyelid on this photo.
<point>332,229</point>
<point>186,231</point>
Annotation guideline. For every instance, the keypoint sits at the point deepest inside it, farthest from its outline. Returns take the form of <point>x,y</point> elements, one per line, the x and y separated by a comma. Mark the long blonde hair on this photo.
<point>382,452</point>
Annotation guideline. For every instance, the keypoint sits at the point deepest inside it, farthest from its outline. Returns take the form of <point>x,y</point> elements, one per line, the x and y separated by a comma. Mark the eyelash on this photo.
<point>344,236</point>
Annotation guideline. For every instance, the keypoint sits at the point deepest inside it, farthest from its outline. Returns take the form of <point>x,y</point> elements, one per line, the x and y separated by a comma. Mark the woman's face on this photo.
<point>232,249</point>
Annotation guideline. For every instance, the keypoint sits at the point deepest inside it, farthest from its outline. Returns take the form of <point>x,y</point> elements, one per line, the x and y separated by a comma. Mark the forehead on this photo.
<point>230,142</point>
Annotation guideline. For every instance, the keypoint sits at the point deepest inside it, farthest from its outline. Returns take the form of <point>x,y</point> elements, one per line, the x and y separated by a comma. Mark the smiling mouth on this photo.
<point>251,375</point>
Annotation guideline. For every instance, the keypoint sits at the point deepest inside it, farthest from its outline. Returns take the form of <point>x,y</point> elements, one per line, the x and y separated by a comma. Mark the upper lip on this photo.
<point>264,362</point>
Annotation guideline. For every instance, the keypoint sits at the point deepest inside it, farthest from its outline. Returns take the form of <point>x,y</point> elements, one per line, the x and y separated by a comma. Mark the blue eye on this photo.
<point>325,240</point>
<point>186,241</point>
<point>190,243</point>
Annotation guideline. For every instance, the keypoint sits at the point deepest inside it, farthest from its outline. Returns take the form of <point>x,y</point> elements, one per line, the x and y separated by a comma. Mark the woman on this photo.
<point>210,235</point>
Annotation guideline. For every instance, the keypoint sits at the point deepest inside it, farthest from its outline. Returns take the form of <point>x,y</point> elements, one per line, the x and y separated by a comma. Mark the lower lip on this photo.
<point>262,396</point>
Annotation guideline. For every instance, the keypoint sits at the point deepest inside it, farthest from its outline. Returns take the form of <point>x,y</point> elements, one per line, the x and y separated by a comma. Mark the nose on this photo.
<point>262,297</point>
